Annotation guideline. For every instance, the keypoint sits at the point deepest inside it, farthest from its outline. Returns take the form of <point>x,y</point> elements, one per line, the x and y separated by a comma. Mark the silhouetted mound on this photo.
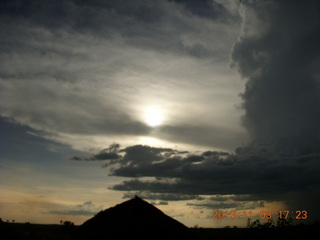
<point>136,219</point>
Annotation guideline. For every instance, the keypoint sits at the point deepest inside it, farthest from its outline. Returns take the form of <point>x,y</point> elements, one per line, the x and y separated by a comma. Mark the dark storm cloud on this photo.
<point>245,180</point>
<point>251,173</point>
<point>278,53</point>
<point>134,154</point>
<point>212,175</point>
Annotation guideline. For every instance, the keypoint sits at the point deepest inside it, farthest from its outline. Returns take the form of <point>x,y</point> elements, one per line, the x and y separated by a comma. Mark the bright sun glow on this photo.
<point>153,117</point>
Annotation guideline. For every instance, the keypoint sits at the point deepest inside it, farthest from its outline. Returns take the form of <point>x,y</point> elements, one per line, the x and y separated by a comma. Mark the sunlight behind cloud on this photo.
<point>153,116</point>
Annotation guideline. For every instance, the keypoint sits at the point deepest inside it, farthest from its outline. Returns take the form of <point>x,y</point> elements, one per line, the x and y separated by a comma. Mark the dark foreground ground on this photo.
<point>28,231</point>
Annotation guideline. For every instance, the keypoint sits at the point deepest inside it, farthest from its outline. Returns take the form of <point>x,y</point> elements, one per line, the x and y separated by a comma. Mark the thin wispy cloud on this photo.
<point>86,69</point>
<point>86,209</point>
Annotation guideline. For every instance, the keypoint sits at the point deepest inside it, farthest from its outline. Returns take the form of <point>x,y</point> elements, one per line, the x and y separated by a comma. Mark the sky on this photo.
<point>195,106</point>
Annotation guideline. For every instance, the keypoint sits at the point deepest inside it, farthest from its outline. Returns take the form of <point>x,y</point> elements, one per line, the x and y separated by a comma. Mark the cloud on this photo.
<point>85,209</point>
<point>277,53</point>
<point>230,177</point>
<point>205,135</point>
<point>247,179</point>
<point>82,69</point>
<point>227,205</point>
<point>161,196</point>
<point>160,203</point>
<point>110,153</point>
<point>167,174</point>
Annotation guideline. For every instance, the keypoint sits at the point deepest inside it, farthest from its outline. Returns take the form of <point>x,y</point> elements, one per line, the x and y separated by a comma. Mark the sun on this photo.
<point>153,117</point>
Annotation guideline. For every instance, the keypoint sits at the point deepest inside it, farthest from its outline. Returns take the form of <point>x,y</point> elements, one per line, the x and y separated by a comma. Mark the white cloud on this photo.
<point>66,77</point>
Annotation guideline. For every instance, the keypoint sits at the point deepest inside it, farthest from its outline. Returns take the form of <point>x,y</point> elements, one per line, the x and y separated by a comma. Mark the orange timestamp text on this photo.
<point>264,214</point>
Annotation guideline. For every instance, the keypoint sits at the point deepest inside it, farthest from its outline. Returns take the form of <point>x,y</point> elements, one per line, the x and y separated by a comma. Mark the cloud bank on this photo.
<point>246,178</point>
<point>277,53</point>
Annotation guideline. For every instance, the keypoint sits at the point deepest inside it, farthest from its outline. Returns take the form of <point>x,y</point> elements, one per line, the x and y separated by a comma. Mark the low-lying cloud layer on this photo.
<point>254,176</point>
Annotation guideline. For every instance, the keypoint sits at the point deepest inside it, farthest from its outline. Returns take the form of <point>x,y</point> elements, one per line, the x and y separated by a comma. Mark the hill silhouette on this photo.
<point>134,218</point>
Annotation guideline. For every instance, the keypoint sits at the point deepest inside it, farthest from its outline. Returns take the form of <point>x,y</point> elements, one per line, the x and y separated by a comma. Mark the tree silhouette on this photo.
<point>68,224</point>
<point>281,222</point>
